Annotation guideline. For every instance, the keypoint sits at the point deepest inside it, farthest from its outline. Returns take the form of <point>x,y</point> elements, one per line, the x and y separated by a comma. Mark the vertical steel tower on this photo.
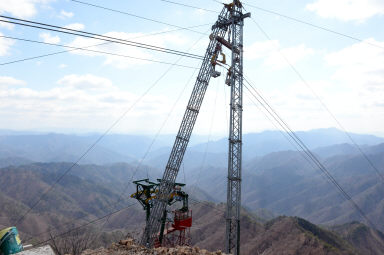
<point>230,22</point>
<point>207,70</point>
<point>235,131</point>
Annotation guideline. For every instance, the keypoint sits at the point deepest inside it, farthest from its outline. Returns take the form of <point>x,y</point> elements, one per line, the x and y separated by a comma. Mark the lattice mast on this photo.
<point>172,168</point>
<point>230,17</point>
<point>235,76</point>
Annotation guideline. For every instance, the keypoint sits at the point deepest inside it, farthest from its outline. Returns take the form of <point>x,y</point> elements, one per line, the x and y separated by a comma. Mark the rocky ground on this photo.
<point>129,247</point>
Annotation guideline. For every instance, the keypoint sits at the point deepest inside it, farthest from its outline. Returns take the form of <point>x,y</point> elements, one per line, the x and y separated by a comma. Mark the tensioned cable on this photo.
<point>290,18</point>
<point>301,77</point>
<point>66,223</point>
<point>150,146</point>
<point>84,49</point>
<point>284,134</point>
<point>187,5</point>
<point>94,144</point>
<point>120,41</point>
<point>147,152</point>
<point>183,168</point>
<point>266,115</point>
<point>207,204</point>
<point>209,138</point>
<point>306,150</point>
<point>64,30</point>
<point>313,25</point>
<point>86,224</point>
<point>314,159</point>
<point>320,165</point>
<point>133,15</point>
<point>92,35</point>
<point>126,186</point>
<point>95,45</point>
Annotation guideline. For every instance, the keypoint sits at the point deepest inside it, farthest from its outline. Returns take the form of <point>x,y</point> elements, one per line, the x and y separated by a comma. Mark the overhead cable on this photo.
<point>84,225</point>
<point>286,17</point>
<point>45,193</point>
<point>83,49</point>
<point>133,15</point>
<point>301,77</point>
<point>187,5</point>
<point>96,36</point>
<point>101,137</point>
<point>304,148</point>
<point>315,26</point>
<point>94,45</point>
<point>160,129</point>
<point>34,235</point>
<point>121,195</point>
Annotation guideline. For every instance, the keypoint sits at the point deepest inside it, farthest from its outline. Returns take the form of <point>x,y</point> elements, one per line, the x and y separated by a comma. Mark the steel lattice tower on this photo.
<point>207,70</point>
<point>235,132</point>
<point>230,22</point>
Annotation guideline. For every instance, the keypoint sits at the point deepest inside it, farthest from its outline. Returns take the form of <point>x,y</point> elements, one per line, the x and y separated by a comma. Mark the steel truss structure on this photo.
<point>230,22</point>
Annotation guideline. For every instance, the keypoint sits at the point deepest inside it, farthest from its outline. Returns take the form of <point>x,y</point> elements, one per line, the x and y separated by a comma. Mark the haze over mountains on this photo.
<point>277,180</point>
<point>113,148</point>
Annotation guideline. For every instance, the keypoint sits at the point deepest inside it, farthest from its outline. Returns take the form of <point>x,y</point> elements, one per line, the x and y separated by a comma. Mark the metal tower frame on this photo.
<point>172,168</point>
<point>231,20</point>
<point>235,131</point>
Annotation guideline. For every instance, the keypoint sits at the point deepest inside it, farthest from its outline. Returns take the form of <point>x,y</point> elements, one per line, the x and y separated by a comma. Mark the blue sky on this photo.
<point>83,91</point>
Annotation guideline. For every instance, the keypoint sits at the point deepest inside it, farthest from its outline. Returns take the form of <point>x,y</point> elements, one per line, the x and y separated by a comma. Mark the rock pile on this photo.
<point>129,247</point>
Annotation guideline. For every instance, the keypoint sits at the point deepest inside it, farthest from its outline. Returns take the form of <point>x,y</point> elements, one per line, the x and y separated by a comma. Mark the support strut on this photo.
<point>230,22</point>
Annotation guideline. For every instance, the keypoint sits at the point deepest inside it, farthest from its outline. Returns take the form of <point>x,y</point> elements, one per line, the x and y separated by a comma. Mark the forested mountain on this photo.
<point>130,148</point>
<point>286,183</point>
<point>281,182</point>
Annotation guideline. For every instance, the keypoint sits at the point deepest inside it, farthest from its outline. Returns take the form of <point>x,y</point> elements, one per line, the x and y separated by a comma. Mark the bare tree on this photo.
<point>74,242</point>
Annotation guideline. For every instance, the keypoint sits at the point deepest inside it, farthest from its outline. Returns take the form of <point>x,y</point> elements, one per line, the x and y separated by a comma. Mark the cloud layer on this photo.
<point>271,52</point>
<point>160,40</point>
<point>347,10</point>
<point>21,8</point>
<point>76,101</point>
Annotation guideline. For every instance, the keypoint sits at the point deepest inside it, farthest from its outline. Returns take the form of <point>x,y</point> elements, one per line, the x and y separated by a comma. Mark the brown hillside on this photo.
<point>366,240</point>
<point>283,235</point>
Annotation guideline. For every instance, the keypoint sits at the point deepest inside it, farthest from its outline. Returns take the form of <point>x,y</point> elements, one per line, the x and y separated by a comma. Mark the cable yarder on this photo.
<point>229,24</point>
<point>207,70</point>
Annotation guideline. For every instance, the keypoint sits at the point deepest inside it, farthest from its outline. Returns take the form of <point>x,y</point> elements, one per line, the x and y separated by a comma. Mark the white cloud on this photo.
<point>354,92</point>
<point>79,101</point>
<point>359,63</point>
<point>75,26</point>
<point>65,14</point>
<point>361,67</point>
<point>293,54</point>
<point>269,52</point>
<point>21,8</point>
<point>120,49</point>
<point>5,45</point>
<point>6,81</point>
<point>261,49</point>
<point>47,38</point>
<point>6,25</point>
<point>86,82</point>
<point>62,66</point>
<point>347,10</point>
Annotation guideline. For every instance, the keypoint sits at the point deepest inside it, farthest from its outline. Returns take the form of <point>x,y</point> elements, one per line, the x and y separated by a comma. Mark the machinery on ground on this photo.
<point>227,32</point>
<point>174,231</point>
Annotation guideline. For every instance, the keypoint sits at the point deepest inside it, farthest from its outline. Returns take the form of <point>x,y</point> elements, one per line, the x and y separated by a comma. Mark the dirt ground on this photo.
<point>129,247</point>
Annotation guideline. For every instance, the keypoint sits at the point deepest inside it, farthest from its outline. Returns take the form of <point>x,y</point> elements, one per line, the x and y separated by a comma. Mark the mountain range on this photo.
<point>50,147</point>
<point>277,180</point>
